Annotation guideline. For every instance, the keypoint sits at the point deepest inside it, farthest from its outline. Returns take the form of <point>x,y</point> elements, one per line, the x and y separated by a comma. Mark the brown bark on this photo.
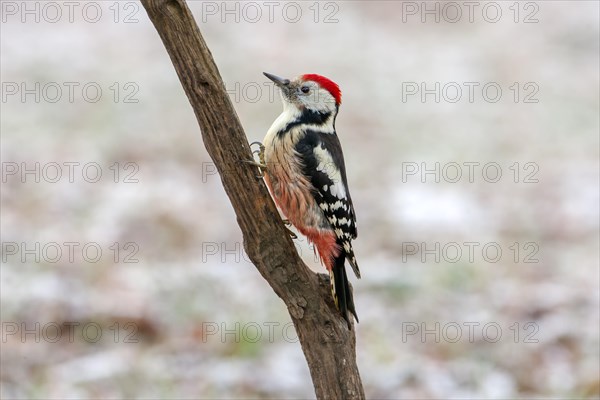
<point>328,345</point>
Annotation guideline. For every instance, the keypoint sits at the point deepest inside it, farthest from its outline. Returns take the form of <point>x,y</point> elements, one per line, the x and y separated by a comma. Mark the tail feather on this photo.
<point>347,246</point>
<point>341,291</point>
<point>353,263</point>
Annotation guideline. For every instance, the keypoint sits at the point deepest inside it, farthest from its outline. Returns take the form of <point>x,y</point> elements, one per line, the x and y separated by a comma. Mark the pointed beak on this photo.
<point>277,80</point>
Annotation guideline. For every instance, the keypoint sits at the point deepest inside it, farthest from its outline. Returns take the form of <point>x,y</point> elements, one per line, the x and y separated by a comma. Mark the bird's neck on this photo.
<point>293,117</point>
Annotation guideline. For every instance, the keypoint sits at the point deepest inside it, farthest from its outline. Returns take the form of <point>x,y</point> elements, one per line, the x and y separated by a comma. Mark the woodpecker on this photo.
<point>306,176</point>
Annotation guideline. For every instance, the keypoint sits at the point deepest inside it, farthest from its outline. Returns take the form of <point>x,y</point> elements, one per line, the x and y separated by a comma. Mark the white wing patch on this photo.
<point>328,167</point>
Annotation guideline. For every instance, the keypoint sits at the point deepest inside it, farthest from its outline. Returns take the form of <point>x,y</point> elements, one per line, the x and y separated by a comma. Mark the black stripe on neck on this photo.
<point>307,117</point>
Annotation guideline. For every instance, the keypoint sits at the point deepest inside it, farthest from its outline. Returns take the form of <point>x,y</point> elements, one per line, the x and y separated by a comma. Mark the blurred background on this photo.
<point>470,131</point>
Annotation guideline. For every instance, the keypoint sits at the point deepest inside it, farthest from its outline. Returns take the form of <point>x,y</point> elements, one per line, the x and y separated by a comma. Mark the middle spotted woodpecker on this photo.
<point>306,175</point>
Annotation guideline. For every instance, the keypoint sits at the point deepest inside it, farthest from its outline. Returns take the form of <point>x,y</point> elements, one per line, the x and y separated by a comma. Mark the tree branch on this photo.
<point>328,345</point>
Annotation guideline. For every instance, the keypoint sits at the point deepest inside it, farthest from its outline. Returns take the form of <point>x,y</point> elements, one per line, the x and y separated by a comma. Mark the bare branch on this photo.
<point>328,345</point>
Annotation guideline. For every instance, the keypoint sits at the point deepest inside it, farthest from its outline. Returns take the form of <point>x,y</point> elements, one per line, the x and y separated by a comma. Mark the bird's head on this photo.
<point>309,92</point>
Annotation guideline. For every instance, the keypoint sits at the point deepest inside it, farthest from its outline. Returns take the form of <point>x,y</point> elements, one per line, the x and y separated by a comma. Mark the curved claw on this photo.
<point>287,223</point>
<point>260,151</point>
<point>292,234</point>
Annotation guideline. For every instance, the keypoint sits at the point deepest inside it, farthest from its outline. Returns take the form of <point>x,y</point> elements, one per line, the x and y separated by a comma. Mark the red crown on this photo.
<point>326,84</point>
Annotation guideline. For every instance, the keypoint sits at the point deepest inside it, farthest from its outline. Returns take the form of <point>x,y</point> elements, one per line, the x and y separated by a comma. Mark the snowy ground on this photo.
<point>475,285</point>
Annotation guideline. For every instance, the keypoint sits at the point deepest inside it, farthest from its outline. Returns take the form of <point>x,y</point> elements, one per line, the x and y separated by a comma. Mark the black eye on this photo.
<point>305,89</point>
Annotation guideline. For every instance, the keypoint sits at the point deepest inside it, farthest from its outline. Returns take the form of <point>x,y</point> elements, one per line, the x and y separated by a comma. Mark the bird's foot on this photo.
<point>260,151</point>
<point>262,166</point>
<point>291,233</point>
<point>287,223</point>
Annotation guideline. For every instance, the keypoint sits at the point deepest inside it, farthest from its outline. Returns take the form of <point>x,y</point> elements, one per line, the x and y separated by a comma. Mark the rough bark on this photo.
<point>328,345</point>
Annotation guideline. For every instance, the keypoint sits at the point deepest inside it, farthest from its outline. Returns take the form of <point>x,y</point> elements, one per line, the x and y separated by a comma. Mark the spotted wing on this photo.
<point>323,164</point>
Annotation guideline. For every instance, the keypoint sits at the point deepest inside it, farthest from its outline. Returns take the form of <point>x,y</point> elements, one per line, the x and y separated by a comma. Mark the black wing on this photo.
<point>323,164</point>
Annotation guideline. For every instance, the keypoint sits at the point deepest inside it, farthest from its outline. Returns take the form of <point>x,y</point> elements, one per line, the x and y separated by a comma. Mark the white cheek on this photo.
<point>319,100</point>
